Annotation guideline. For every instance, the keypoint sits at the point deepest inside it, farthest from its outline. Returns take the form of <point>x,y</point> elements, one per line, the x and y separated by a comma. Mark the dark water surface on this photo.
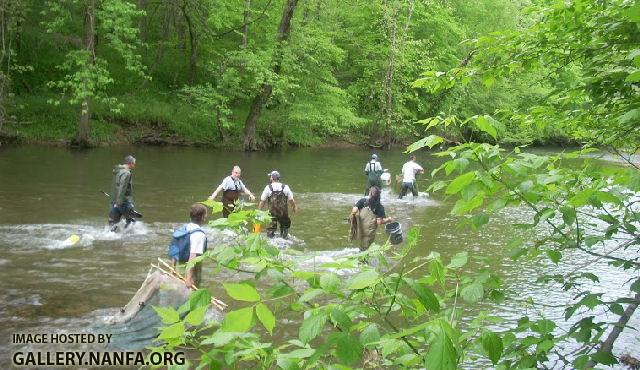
<point>48,194</point>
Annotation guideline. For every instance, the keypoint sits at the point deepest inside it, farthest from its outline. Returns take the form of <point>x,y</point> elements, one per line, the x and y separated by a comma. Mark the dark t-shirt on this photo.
<point>378,210</point>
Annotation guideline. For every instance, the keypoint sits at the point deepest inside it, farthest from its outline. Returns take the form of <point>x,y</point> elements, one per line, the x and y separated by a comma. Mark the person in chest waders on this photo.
<point>121,198</point>
<point>373,171</point>
<point>366,215</point>
<point>231,188</point>
<point>278,195</point>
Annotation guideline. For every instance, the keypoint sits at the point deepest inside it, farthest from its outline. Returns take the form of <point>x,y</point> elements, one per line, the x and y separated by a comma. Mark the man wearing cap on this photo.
<point>231,188</point>
<point>279,196</point>
<point>121,199</point>
<point>373,170</point>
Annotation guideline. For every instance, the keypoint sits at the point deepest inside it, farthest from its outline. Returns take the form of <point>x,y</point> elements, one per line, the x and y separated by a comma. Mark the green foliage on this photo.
<point>339,321</point>
<point>586,211</point>
<point>182,70</point>
<point>86,75</point>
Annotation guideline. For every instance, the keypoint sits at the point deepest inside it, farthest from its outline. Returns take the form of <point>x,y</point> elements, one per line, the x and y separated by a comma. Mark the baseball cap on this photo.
<point>374,156</point>
<point>274,174</point>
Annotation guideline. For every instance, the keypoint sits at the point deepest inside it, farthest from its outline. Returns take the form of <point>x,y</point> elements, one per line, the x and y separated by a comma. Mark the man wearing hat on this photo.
<point>278,195</point>
<point>121,198</point>
<point>373,170</point>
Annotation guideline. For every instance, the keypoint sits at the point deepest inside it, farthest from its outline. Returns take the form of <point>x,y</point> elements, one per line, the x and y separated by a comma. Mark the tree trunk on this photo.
<point>250,142</point>
<point>193,44</point>
<point>383,130</point>
<point>82,138</point>
<point>167,20</point>
<point>245,27</point>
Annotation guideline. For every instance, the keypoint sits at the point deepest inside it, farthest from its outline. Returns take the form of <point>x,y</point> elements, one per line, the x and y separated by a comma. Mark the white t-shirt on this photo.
<point>197,240</point>
<point>373,165</point>
<point>277,186</point>
<point>229,183</point>
<point>409,171</point>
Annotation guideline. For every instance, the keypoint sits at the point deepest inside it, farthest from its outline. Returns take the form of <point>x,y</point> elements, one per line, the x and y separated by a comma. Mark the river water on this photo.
<point>48,194</point>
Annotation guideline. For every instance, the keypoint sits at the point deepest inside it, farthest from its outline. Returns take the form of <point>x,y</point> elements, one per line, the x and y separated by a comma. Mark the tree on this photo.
<point>589,50</point>
<point>267,88</point>
<point>86,73</point>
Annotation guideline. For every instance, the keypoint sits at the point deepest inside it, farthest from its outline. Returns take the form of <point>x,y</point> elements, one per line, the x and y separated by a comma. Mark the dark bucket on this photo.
<point>394,230</point>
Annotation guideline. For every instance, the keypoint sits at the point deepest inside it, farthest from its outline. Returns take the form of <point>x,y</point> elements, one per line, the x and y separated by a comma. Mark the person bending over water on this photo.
<point>367,214</point>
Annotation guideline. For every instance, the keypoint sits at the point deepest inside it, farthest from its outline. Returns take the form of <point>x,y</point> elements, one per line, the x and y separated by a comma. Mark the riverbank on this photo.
<point>169,120</point>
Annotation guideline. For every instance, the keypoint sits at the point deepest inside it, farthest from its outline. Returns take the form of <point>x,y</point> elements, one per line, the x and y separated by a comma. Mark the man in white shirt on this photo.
<point>373,171</point>
<point>409,171</point>
<point>231,188</point>
<point>279,196</point>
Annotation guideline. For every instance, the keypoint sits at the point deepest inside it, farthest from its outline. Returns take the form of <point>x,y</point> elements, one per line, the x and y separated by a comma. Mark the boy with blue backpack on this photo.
<point>190,241</point>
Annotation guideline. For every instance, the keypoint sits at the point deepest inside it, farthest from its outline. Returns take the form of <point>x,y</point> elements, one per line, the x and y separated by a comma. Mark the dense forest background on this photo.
<point>252,73</point>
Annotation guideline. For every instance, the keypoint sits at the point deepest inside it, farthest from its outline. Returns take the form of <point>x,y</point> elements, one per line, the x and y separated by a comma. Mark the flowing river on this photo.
<point>48,194</point>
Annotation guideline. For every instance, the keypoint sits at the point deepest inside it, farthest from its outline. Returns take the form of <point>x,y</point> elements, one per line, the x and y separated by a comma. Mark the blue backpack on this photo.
<point>180,244</point>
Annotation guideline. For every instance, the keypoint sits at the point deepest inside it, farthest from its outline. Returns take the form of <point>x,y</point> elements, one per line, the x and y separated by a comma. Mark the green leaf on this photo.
<point>629,116</point>
<point>363,280</point>
<point>168,315</point>
<point>242,292</point>
<point>459,260</point>
<point>310,294</point>
<point>215,206</point>
<point>568,215</point>
<point>472,293</point>
<point>340,318</point>
<point>460,182</point>
<point>424,294</point>
<point>329,282</point>
<point>429,141</point>
<point>485,125</point>
<point>581,198</point>
<point>348,348</point>
<point>605,358</point>
<point>442,354</point>
<point>492,344</point>
<point>554,255</point>
<point>312,326</point>
<point>196,316</point>
<point>266,317</point>
<point>220,338</point>
<point>199,298</point>
<point>633,77</point>
<point>173,331</point>
<point>436,269</point>
<point>465,206</point>
<point>239,320</point>
<point>370,334</point>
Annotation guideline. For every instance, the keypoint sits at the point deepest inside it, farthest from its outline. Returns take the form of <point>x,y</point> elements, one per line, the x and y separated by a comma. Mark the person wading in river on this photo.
<point>409,171</point>
<point>121,198</point>
<point>366,215</point>
<point>373,170</point>
<point>279,196</point>
<point>231,188</point>
<point>197,243</point>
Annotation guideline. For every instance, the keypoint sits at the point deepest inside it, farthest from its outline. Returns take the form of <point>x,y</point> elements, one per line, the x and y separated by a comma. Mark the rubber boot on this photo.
<point>284,232</point>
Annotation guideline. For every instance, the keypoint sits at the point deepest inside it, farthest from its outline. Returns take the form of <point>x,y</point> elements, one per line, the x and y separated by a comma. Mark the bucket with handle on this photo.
<point>394,230</point>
